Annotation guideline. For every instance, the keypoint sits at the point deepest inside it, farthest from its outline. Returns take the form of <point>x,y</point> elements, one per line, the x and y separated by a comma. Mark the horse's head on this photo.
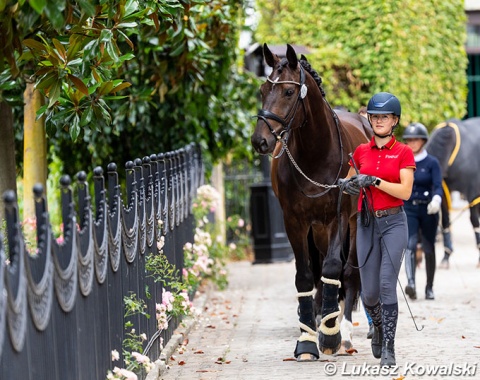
<point>282,94</point>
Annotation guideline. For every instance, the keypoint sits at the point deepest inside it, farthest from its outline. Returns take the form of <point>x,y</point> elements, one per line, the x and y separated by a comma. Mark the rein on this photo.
<point>287,125</point>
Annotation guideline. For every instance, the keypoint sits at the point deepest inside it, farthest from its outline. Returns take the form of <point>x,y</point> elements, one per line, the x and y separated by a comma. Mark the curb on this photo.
<point>182,331</point>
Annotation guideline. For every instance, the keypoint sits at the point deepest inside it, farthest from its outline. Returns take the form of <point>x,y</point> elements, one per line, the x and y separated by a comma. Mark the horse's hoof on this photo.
<point>445,264</point>
<point>329,344</point>
<point>346,348</point>
<point>306,358</point>
<point>306,351</point>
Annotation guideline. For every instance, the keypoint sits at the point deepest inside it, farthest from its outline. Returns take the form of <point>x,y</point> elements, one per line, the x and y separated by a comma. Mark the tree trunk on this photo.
<point>34,149</point>
<point>7,155</point>
<point>218,183</point>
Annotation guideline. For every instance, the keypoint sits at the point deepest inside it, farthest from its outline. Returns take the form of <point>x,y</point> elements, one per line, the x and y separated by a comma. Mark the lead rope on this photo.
<point>285,147</point>
<point>292,160</point>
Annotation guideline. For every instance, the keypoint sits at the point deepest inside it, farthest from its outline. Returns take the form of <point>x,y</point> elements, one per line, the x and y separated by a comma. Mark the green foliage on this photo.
<point>132,345</point>
<point>414,49</point>
<point>162,271</point>
<point>130,77</point>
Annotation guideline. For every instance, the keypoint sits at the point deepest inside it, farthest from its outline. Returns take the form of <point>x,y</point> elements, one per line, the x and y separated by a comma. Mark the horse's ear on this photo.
<point>270,58</point>
<point>303,58</point>
<point>292,57</point>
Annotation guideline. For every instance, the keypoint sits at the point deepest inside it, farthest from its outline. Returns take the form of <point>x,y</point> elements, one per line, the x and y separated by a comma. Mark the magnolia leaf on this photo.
<point>105,88</point>
<point>105,35</point>
<point>112,51</point>
<point>60,49</point>
<point>127,25</point>
<point>78,84</point>
<point>75,44</point>
<point>127,40</point>
<point>120,87</point>
<point>45,82</point>
<point>54,93</point>
<point>35,45</point>
<point>87,7</point>
<point>75,128</point>
<point>38,5</point>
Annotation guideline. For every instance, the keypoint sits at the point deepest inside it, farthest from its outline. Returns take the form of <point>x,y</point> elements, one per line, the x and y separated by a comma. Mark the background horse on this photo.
<point>310,144</point>
<point>455,143</point>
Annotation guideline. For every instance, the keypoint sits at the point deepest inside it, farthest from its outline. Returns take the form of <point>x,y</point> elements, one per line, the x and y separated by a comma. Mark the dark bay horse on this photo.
<point>310,144</point>
<point>456,144</point>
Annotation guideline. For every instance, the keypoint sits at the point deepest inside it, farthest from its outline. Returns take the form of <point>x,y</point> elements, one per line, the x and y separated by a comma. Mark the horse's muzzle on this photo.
<point>260,144</point>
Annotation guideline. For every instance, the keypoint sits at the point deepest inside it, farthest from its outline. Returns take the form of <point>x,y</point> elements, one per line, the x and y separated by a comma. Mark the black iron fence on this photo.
<point>62,311</point>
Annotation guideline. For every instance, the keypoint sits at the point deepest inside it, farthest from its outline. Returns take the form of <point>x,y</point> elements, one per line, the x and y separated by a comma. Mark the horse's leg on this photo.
<point>351,288</point>
<point>306,348</point>
<point>329,331</point>
<point>474,214</point>
<point>447,237</point>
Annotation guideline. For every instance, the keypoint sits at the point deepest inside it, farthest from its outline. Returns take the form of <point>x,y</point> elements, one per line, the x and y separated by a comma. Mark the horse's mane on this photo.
<point>306,65</point>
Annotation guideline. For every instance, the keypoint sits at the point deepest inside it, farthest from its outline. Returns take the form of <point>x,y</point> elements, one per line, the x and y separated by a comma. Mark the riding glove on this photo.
<point>434,206</point>
<point>348,187</point>
<point>363,180</point>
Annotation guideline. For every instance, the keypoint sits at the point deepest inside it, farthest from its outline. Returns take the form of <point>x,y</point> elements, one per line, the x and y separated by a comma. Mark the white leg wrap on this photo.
<point>306,294</point>
<point>331,281</point>
<point>477,230</point>
<point>308,337</point>
<point>309,330</point>
<point>330,330</point>
<point>346,330</point>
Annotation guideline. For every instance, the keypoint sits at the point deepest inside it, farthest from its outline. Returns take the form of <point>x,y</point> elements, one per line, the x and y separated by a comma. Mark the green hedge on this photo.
<point>414,49</point>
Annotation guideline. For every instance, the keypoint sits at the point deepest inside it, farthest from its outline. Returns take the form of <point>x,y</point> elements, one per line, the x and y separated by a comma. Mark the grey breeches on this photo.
<point>387,238</point>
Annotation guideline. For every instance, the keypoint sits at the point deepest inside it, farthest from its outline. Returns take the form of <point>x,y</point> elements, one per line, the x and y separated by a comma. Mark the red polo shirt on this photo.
<point>385,163</point>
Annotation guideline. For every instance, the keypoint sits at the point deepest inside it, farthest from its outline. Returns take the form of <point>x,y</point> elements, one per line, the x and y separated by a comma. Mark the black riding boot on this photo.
<point>430,267</point>
<point>389,322</point>
<point>410,264</point>
<point>375,313</point>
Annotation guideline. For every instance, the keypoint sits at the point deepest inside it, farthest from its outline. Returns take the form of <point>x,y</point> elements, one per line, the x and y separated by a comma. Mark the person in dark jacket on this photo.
<point>422,208</point>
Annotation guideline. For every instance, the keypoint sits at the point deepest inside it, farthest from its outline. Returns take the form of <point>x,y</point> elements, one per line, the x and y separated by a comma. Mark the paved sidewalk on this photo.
<point>249,331</point>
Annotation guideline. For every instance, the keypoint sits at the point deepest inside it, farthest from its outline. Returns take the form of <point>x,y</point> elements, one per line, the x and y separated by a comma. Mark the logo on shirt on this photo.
<point>391,156</point>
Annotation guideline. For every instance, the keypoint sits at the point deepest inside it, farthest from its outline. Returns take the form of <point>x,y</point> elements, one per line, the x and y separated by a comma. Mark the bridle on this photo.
<point>287,121</point>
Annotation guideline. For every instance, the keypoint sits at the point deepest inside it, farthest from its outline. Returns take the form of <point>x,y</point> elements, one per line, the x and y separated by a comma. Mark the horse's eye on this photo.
<point>289,92</point>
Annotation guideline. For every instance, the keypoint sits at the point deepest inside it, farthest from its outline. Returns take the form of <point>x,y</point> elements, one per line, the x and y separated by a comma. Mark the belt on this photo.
<point>420,202</point>
<point>388,211</point>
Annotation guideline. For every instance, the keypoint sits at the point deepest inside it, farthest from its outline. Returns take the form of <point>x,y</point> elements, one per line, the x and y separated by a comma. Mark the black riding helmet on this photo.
<point>385,103</point>
<point>416,131</point>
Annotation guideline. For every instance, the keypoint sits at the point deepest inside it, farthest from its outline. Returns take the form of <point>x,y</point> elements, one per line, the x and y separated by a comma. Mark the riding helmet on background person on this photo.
<point>416,131</point>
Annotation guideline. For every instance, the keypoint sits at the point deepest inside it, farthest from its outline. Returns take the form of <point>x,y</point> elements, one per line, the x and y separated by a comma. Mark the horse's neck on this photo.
<point>319,135</point>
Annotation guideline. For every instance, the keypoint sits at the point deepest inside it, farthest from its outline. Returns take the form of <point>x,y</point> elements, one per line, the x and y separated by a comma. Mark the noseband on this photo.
<point>286,122</point>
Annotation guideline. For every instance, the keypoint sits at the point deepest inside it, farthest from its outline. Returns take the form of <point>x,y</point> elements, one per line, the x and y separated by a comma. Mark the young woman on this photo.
<point>384,180</point>
<point>422,208</point>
